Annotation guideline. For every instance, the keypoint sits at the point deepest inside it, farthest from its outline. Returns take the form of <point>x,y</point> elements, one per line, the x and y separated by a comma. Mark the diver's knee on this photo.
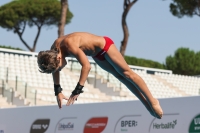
<point>128,74</point>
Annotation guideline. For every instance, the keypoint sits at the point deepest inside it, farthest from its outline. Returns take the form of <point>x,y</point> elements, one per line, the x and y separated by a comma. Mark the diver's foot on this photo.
<point>150,110</point>
<point>157,109</point>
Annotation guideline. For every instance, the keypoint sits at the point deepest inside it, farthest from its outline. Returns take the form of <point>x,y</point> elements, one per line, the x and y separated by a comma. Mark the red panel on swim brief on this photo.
<point>100,55</point>
<point>108,43</point>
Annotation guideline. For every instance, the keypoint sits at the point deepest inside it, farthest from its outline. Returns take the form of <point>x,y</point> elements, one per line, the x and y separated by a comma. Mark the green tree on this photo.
<point>184,62</point>
<point>143,62</point>
<point>9,47</point>
<point>18,14</point>
<point>180,8</point>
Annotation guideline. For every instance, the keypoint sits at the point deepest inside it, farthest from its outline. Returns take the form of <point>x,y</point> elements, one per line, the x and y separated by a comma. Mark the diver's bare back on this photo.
<point>90,44</point>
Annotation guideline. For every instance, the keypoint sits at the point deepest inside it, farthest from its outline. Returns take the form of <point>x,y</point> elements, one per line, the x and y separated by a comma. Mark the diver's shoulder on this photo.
<point>57,42</point>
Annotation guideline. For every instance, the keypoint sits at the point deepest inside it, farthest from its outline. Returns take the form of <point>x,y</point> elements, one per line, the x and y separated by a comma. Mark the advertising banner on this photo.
<point>181,115</point>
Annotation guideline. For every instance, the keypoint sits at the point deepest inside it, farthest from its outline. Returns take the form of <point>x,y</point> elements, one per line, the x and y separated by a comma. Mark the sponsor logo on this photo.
<point>95,125</point>
<point>168,123</point>
<point>195,125</point>
<point>127,124</point>
<point>40,126</point>
<point>2,128</point>
<point>65,125</point>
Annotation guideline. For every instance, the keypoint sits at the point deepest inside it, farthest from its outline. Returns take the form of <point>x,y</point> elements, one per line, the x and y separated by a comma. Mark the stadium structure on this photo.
<point>23,85</point>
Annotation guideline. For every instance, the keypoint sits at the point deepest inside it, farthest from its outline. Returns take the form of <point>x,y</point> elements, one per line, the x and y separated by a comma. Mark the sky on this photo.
<point>154,32</point>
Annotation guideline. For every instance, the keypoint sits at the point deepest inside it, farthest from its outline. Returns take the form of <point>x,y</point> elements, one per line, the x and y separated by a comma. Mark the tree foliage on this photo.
<point>143,62</point>
<point>184,62</point>
<point>189,8</point>
<point>9,47</point>
<point>18,14</point>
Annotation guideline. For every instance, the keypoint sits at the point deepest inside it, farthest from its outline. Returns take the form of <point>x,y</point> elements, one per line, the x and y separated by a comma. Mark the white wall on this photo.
<point>115,117</point>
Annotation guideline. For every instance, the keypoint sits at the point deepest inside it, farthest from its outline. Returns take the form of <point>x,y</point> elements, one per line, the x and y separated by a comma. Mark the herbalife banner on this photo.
<point>181,115</point>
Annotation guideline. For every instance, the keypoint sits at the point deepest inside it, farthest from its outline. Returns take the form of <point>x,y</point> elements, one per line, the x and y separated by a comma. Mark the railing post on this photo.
<point>95,76</point>
<point>25,90</point>
<point>16,84</point>
<point>35,97</point>
<point>7,75</point>
<point>12,96</point>
<point>3,87</point>
<point>71,64</point>
<point>108,77</point>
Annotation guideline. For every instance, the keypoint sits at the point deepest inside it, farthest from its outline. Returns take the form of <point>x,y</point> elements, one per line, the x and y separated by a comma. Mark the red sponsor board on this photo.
<point>96,125</point>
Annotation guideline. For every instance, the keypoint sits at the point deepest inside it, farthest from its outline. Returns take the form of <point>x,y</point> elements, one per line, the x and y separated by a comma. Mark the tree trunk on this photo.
<point>61,25</point>
<point>126,33</point>
<point>124,42</point>
<point>20,33</point>
<point>36,38</point>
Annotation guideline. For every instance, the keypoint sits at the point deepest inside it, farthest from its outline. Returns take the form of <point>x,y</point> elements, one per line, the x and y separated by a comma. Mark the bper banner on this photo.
<point>181,115</point>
